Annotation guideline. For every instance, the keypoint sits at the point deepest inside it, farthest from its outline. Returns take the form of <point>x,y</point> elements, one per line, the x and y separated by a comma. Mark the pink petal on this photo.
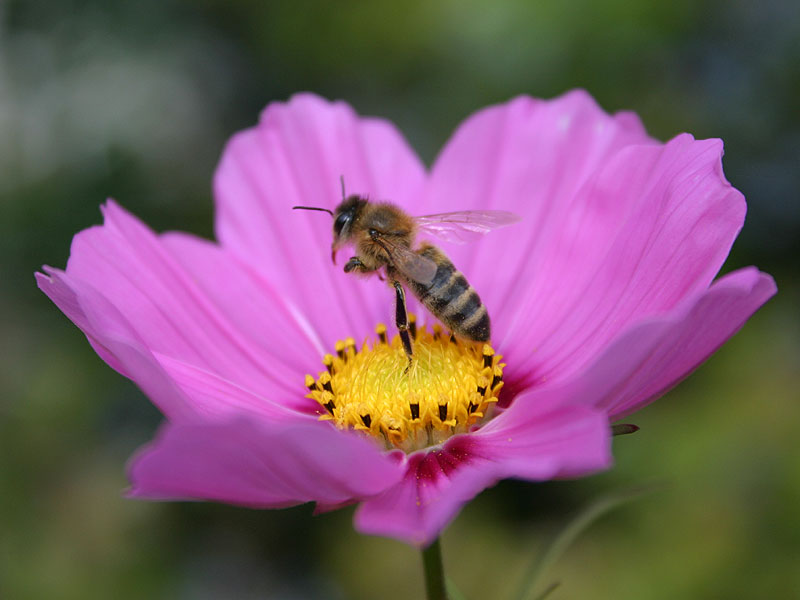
<point>214,398</point>
<point>115,340</point>
<point>615,226</point>
<point>295,156</point>
<point>263,316</point>
<point>261,465</point>
<point>618,266</point>
<point>550,442</point>
<point>651,357</point>
<point>655,354</point>
<point>545,436</point>
<point>192,302</point>
<point>181,391</point>
<point>531,157</point>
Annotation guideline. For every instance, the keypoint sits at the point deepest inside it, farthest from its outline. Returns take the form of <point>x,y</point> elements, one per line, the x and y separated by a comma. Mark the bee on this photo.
<point>385,236</point>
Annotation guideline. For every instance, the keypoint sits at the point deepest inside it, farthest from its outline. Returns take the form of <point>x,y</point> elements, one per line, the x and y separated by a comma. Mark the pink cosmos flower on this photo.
<point>601,300</point>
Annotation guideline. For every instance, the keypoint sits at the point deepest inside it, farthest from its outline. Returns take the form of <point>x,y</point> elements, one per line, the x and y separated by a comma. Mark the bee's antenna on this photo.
<point>341,179</point>
<point>327,210</point>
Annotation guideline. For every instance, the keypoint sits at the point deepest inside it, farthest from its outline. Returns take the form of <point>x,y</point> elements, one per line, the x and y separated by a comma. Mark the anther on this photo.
<point>443,412</point>
<point>381,331</point>
<point>453,338</point>
<point>311,383</point>
<point>472,407</point>
<point>349,348</point>
<point>414,411</point>
<point>498,377</point>
<point>412,325</point>
<point>325,380</point>
<point>488,353</point>
<point>367,420</point>
<point>327,360</point>
<point>340,349</point>
<point>330,406</point>
<point>482,390</point>
<point>437,331</point>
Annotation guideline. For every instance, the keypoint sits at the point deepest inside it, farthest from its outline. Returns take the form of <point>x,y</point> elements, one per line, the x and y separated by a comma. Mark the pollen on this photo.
<point>449,387</point>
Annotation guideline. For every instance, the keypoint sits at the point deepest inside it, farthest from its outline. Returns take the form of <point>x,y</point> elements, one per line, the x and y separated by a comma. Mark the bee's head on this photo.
<point>343,218</point>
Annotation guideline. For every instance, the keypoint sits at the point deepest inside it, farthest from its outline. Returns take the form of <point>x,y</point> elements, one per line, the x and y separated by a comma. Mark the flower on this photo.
<point>601,300</point>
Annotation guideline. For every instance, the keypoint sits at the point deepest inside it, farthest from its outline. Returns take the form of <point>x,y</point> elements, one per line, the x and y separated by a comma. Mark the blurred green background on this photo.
<point>135,100</point>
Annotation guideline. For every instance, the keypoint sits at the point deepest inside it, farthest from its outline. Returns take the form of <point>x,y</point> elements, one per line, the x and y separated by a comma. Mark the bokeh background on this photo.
<point>135,100</point>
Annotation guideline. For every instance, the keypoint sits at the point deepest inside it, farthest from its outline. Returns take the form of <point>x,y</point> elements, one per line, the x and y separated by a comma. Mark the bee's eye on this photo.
<point>342,220</point>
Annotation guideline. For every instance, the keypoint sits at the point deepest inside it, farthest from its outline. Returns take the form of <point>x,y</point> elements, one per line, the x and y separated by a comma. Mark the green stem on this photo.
<point>434,572</point>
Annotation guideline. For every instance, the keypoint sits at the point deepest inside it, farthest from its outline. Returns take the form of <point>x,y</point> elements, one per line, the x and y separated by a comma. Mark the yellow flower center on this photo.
<point>449,386</point>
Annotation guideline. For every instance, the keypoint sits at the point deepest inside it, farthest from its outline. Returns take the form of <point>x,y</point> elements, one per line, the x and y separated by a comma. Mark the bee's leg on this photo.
<point>355,264</point>
<point>401,319</point>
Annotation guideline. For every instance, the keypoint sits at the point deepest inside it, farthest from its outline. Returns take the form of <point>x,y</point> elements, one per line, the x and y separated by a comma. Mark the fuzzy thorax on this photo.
<point>449,387</point>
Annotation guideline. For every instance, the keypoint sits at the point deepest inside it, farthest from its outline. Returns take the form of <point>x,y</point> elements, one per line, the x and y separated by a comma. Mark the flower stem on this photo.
<point>434,572</point>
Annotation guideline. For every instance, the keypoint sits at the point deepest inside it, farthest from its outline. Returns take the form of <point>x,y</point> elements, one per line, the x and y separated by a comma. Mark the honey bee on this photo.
<point>384,237</point>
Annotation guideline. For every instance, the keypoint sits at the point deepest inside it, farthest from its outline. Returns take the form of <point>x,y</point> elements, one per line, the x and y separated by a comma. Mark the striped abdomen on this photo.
<point>452,299</point>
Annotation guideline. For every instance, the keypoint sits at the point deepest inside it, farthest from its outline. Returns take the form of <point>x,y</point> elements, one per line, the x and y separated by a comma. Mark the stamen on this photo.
<point>349,348</point>
<point>310,383</point>
<point>487,355</point>
<point>497,378</point>
<point>449,387</point>
<point>325,382</point>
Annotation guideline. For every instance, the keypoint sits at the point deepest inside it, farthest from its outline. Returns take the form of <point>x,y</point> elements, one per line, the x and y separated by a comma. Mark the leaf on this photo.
<point>573,528</point>
<point>452,591</point>
<point>548,590</point>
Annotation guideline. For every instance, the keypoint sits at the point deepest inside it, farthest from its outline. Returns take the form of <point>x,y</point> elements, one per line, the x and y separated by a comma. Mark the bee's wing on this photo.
<point>465,225</point>
<point>412,265</point>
